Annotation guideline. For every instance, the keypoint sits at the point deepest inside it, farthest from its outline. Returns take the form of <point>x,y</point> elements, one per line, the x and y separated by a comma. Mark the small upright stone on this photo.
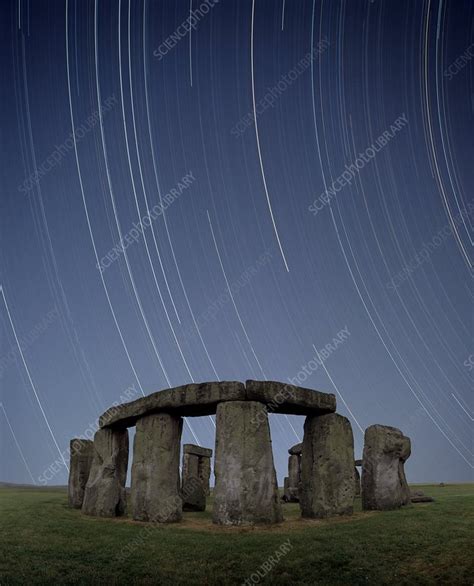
<point>105,495</point>
<point>327,467</point>
<point>81,456</point>
<point>384,485</point>
<point>155,469</point>
<point>196,472</point>
<point>246,489</point>
<point>356,481</point>
<point>292,484</point>
<point>205,474</point>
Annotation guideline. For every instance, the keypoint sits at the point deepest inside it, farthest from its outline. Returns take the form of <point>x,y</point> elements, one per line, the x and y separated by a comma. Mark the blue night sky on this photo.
<point>327,238</point>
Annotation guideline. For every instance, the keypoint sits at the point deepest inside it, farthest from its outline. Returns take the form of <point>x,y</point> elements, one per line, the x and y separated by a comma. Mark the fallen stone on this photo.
<point>384,485</point>
<point>327,467</point>
<point>105,495</point>
<point>418,496</point>
<point>422,499</point>
<point>358,463</point>
<point>155,491</point>
<point>193,400</point>
<point>289,399</point>
<point>246,490</point>
<point>81,456</point>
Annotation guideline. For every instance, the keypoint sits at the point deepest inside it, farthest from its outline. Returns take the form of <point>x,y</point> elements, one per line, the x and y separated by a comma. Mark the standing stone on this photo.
<point>286,489</point>
<point>155,469</point>
<point>356,482</point>
<point>327,467</point>
<point>104,495</point>
<point>196,472</point>
<point>81,456</point>
<point>246,489</point>
<point>205,473</point>
<point>192,491</point>
<point>291,490</point>
<point>384,485</point>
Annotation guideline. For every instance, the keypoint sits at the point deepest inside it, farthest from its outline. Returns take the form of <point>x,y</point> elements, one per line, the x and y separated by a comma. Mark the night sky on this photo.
<point>327,240</point>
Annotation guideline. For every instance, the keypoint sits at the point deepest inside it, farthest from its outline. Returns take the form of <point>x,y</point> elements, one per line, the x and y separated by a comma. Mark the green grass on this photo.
<point>43,541</point>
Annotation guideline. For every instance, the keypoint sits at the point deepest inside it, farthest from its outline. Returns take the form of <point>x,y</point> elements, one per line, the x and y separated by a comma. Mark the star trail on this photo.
<point>198,190</point>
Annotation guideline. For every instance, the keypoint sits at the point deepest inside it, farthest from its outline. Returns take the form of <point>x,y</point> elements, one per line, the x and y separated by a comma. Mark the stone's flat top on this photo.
<point>289,399</point>
<point>197,450</point>
<point>358,462</point>
<point>191,400</point>
<point>198,399</point>
<point>79,446</point>
<point>386,439</point>
<point>296,450</point>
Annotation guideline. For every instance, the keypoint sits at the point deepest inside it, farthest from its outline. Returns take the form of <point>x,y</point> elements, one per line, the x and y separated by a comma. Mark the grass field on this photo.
<point>43,541</point>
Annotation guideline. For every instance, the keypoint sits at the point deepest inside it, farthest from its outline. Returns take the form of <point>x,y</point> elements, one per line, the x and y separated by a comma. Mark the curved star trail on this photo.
<point>330,150</point>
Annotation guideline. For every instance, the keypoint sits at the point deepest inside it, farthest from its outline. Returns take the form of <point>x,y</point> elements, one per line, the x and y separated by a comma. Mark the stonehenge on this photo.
<point>155,491</point>
<point>292,483</point>
<point>322,473</point>
<point>104,495</point>
<point>246,489</point>
<point>81,455</point>
<point>327,467</point>
<point>196,475</point>
<point>384,485</point>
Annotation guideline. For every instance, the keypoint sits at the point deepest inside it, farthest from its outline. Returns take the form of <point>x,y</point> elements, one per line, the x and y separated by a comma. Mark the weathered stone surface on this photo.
<point>193,495</point>
<point>293,481</point>
<point>294,470</point>
<point>155,492</point>
<point>357,482</point>
<point>192,492</point>
<point>191,400</point>
<point>384,485</point>
<point>197,450</point>
<point>296,450</point>
<point>327,467</point>
<point>104,494</point>
<point>286,398</point>
<point>205,474</point>
<point>246,490</point>
<point>195,400</point>
<point>286,489</point>
<point>418,496</point>
<point>196,476</point>
<point>81,456</point>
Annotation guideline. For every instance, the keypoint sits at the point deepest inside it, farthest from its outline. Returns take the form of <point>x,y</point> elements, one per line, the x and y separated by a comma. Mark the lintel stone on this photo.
<point>197,450</point>
<point>296,450</point>
<point>193,400</point>
<point>289,399</point>
<point>198,399</point>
